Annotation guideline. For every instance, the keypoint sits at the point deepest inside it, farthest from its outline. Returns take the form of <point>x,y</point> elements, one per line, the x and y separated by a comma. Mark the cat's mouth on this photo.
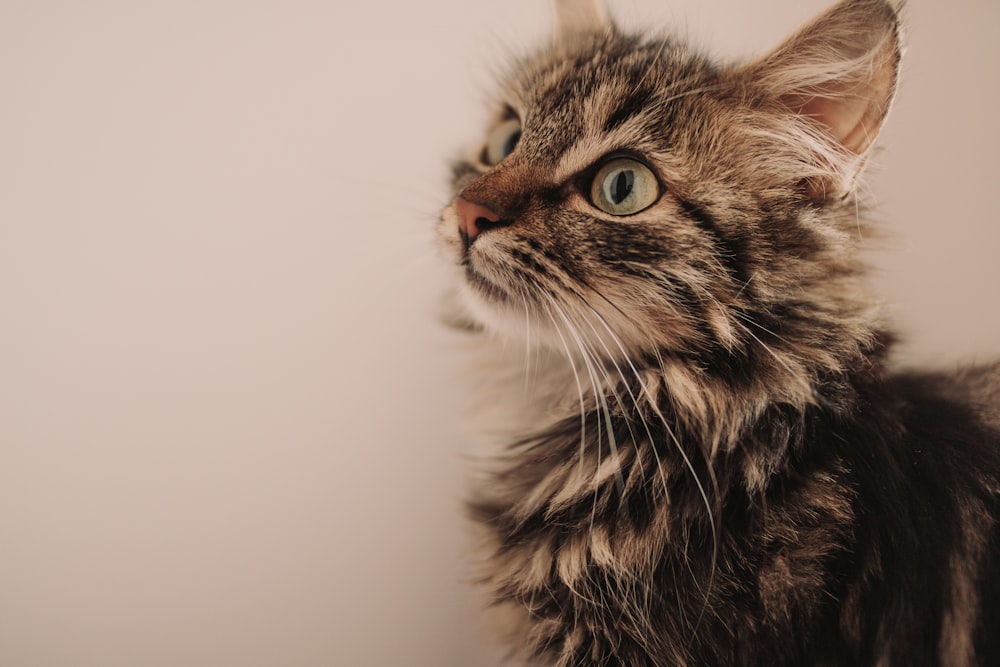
<point>480,283</point>
<point>483,266</point>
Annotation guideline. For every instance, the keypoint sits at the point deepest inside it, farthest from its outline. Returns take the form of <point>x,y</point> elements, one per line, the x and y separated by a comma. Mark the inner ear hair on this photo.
<point>839,72</point>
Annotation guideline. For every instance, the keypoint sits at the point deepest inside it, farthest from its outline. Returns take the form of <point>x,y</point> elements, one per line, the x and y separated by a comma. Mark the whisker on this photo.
<point>590,373</point>
<point>687,462</point>
<point>603,408</point>
<point>749,320</point>
<point>527,337</point>
<point>768,349</point>
<point>746,284</point>
<point>576,379</point>
<point>625,384</point>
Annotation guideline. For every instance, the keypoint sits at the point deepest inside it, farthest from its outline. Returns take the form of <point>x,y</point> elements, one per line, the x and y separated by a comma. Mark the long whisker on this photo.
<point>576,379</point>
<point>745,285</point>
<point>687,462</point>
<point>625,384</point>
<point>767,348</point>
<point>574,334</point>
<point>749,320</point>
<point>602,401</point>
<point>527,338</point>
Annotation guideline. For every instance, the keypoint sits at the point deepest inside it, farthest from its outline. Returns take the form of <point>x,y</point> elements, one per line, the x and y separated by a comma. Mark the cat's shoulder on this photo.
<point>979,387</point>
<point>974,387</point>
<point>954,414</point>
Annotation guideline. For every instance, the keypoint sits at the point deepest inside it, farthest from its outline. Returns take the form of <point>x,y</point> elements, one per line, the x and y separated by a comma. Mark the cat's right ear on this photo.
<point>839,72</point>
<point>576,17</point>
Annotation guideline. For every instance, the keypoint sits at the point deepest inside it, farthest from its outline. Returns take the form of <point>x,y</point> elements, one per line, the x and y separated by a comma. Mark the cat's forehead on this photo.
<point>578,103</point>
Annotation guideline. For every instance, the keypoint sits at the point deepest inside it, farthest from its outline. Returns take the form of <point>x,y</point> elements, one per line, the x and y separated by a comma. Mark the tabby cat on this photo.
<point>708,461</point>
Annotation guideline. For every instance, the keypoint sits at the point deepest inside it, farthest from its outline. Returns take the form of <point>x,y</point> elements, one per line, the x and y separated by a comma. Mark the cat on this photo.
<point>709,459</point>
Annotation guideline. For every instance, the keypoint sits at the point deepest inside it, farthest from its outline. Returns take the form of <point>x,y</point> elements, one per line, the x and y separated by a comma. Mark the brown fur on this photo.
<point>714,466</point>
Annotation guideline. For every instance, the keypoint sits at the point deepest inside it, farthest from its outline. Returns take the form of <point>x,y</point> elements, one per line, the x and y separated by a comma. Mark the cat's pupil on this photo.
<point>622,186</point>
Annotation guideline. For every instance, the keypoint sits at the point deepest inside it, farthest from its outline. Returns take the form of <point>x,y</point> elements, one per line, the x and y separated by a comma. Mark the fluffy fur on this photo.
<point>713,465</point>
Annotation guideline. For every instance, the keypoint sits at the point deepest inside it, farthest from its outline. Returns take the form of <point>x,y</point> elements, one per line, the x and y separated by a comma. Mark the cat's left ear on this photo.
<point>576,17</point>
<point>840,73</point>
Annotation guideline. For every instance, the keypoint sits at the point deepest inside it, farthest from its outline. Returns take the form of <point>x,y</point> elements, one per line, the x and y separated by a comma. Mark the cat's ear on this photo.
<point>576,17</point>
<point>840,73</point>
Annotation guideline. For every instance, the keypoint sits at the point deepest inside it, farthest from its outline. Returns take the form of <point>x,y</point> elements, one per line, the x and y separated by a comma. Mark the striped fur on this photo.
<point>708,461</point>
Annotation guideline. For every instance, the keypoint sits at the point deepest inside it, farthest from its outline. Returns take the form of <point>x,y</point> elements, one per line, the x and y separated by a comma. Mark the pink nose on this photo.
<point>474,219</point>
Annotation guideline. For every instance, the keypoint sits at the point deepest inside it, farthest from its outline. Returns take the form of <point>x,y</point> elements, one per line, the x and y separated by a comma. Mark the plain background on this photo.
<point>229,431</point>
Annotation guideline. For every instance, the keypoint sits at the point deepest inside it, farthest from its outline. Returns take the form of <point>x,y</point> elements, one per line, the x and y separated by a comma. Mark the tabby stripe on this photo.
<point>731,251</point>
<point>636,102</point>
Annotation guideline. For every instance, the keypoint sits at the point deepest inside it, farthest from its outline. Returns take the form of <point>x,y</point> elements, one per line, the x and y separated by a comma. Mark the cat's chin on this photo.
<point>511,321</point>
<point>485,289</point>
<point>523,324</point>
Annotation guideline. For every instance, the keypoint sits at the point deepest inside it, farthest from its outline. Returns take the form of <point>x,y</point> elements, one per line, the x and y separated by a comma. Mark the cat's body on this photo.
<point>713,465</point>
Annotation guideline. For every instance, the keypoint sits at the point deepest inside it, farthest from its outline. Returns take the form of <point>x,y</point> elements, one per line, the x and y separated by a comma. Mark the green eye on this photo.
<point>624,186</point>
<point>502,140</point>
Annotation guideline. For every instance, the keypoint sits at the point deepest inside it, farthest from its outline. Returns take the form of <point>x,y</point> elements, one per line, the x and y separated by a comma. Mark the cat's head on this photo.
<point>632,198</point>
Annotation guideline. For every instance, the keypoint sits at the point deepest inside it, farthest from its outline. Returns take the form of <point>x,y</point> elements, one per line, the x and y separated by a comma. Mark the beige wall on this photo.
<point>227,429</point>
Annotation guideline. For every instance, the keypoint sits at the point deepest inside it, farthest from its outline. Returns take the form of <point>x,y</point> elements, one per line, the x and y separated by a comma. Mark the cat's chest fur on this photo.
<point>861,547</point>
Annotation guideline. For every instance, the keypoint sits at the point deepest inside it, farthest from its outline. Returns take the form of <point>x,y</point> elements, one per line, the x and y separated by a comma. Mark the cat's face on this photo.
<point>585,185</point>
<point>631,198</point>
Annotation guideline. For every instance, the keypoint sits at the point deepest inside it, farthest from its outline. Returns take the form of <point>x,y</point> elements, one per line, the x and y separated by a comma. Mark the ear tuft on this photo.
<point>839,72</point>
<point>576,17</point>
